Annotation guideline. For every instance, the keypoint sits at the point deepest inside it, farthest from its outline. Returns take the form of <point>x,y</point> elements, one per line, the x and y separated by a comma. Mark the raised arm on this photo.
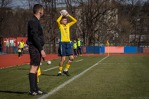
<point>58,20</point>
<point>73,20</point>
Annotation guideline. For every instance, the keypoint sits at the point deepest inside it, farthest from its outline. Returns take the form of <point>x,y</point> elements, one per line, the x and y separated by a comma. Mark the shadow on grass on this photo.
<point>49,74</point>
<point>15,92</point>
<point>22,69</point>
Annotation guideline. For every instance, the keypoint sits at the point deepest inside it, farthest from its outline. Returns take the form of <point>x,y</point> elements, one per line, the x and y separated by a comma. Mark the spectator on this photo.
<point>79,47</point>
<point>75,48</point>
<point>21,46</point>
<point>19,52</point>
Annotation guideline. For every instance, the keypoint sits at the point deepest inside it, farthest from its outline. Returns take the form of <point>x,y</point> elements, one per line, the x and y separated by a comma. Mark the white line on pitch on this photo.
<point>51,68</point>
<point>79,60</point>
<point>70,80</point>
<point>120,63</point>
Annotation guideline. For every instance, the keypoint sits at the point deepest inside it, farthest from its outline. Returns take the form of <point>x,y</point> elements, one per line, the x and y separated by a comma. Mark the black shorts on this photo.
<point>22,49</point>
<point>35,56</point>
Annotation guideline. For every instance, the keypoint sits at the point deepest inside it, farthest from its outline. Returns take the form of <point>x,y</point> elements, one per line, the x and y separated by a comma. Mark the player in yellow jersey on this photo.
<point>65,46</point>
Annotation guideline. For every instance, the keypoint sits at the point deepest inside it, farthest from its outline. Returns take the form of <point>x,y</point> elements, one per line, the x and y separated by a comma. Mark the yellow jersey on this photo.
<point>21,45</point>
<point>65,29</point>
<point>79,43</point>
<point>75,45</point>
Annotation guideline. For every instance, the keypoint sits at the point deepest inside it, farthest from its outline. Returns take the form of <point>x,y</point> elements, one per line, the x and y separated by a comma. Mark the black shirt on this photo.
<point>35,33</point>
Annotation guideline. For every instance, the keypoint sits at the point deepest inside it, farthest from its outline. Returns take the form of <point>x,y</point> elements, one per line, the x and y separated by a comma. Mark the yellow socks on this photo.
<point>67,67</point>
<point>60,69</point>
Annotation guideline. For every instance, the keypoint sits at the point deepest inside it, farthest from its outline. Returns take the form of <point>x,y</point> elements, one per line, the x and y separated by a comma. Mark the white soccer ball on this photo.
<point>48,62</point>
<point>64,12</point>
<point>40,64</point>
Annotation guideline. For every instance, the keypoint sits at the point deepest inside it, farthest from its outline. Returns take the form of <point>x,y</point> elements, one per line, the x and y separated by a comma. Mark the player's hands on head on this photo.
<point>43,54</point>
<point>61,13</point>
<point>64,13</point>
<point>67,14</point>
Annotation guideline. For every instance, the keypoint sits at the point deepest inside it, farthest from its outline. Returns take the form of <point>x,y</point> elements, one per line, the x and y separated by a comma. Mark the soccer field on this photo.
<point>92,77</point>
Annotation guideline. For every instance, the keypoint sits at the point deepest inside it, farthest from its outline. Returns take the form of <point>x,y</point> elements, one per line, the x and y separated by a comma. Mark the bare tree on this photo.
<point>130,10</point>
<point>94,17</point>
<point>5,3</point>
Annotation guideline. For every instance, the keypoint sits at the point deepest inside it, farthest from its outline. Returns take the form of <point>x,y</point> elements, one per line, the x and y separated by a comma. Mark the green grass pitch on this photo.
<point>116,77</point>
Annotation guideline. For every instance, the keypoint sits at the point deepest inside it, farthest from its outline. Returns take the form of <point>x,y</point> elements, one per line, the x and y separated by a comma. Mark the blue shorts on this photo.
<point>65,49</point>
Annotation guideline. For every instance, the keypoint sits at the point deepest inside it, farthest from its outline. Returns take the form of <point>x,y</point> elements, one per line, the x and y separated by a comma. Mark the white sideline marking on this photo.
<point>119,63</point>
<point>51,68</point>
<point>70,80</point>
<point>79,60</point>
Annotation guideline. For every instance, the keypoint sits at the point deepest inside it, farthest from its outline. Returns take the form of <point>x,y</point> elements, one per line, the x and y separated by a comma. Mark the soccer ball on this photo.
<point>48,62</point>
<point>64,12</point>
<point>40,64</point>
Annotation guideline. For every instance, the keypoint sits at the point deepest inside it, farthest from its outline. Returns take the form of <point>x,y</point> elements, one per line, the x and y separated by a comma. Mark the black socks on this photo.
<point>33,81</point>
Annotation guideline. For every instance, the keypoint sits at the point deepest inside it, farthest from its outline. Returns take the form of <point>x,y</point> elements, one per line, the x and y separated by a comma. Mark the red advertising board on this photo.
<point>114,49</point>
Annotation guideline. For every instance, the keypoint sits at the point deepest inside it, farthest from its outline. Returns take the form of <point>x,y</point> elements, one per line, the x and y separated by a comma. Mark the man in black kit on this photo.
<point>36,43</point>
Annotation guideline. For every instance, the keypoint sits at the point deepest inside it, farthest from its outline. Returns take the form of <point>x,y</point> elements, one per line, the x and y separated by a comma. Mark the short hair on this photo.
<point>36,8</point>
<point>64,17</point>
